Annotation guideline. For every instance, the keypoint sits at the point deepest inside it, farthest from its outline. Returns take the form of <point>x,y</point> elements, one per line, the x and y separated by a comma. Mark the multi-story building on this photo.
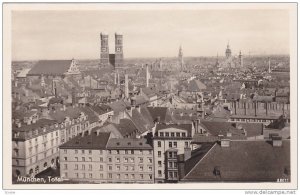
<point>84,158</point>
<point>169,141</point>
<point>36,140</point>
<point>130,161</point>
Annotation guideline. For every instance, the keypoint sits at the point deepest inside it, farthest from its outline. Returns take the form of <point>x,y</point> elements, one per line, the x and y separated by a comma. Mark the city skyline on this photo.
<point>76,34</point>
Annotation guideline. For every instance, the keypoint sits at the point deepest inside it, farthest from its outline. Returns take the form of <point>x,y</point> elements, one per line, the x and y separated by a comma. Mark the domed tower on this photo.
<point>228,51</point>
<point>118,50</point>
<point>104,53</point>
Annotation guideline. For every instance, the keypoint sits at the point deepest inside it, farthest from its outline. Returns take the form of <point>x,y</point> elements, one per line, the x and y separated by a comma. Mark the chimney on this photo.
<point>255,108</point>
<point>126,86</point>
<point>147,75</point>
<point>276,141</point>
<point>225,143</point>
<point>187,153</point>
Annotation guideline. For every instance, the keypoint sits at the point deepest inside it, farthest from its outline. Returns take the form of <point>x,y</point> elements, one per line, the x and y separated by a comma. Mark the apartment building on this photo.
<point>169,141</point>
<point>84,158</point>
<point>129,160</point>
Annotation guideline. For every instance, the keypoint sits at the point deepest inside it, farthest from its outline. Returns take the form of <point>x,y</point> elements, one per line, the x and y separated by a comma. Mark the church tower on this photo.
<point>241,59</point>
<point>118,50</point>
<point>228,51</point>
<point>104,53</point>
<point>180,58</point>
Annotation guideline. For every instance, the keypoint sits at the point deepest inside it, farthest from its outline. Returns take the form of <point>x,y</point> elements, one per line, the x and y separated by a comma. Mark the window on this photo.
<point>141,160</point>
<point>65,158</point>
<point>77,176</point>
<point>183,134</point>
<point>150,176</point>
<point>170,155</point>
<point>90,167</point>
<point>110,168</point>
<point>100,151</point>
<point>141,176</point>
<point>161,134</point>
<point>82,151</point>
<point>126,151</point>
<point>150,151</point>
<point>141,168</point>
<point>109,160</point>
<point>126,160</point>
<point>126,176</point>
<point>159,144</point>
<point>141,151</point>
<point>170,144</point>
<point>177,134</point>
<point>126,168</point>
<point>90,175</point>
<point>101,159</point>
<point>118,160</point>
<point>65,151</point>
<point>132,176</point>
<point>175,165</point>
<point>150,168</point>
<point>65,166</point>
<point>132,168</point>
<point>170,174</point>
<point>109,151</point>
<point>170,164</point>
<point>175,174</point>
<point>101,175</point>
<point>118,176</point>
<point>101,167</point>
<point>159,153</point>
<point>159,163</point>
<point>90,159</point>
<point>83,159</point>
<point>167,134</point>
<point>149,160</point>
<point>76,166</point>
<point>131,159</point>
<point>175,144</point>
<point>83,167</point>
<point>90,151</point>
<point>186,144</point>
<point>132,151</point>
<point>109,176</point>
<point>159,173</point>
<point>118,151</point>
<point>118,168</point>
<point>172,134</point>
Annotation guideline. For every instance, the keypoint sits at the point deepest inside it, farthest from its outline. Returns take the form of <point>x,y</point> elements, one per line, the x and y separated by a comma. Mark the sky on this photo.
<point>70,34</point>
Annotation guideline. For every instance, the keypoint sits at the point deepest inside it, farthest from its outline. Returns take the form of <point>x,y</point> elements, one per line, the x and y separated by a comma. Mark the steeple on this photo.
<point>180,58</point>
<point>228,51</point>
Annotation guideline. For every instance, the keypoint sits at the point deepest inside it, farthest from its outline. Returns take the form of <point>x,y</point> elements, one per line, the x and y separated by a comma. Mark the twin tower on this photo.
<point>107,59</point>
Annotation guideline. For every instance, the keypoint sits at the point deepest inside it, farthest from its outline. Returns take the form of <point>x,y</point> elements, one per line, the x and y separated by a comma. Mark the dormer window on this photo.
<point>217,171</point>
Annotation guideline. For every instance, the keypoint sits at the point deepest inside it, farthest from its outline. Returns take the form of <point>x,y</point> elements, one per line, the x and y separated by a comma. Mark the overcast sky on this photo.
<point>148,33</point>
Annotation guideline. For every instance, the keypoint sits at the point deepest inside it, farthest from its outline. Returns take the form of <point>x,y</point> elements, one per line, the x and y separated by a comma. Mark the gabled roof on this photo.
<point>161,113</point>
<point>50,67</point>
<point>222,128</point>
<point>251,161</point>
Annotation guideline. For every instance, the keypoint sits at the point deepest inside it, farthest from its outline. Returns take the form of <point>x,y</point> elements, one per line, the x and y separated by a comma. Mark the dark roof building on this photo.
<point>54,68</point>
<point>242,161</point>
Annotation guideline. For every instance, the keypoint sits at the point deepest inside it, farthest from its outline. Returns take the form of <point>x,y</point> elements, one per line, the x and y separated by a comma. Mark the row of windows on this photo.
<point>110,167</point>
<point>111,176</point>
<point>118,160</point>
<point>129,152</point>
<point>172,134</point>
<point>128,168</point>
<point>172,144</point>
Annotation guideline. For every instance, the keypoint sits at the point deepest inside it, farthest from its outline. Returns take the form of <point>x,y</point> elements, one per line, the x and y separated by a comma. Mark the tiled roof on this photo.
<point>50,67</point>
<point>243,161</point>
<point>91,141</point>
<point>127,127</point>
<point>129,143</point>
<point>160,112</point>
<point>222,128</point>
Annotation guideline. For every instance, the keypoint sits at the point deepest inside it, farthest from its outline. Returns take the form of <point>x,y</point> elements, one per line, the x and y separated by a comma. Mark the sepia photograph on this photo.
<point>150,95</point>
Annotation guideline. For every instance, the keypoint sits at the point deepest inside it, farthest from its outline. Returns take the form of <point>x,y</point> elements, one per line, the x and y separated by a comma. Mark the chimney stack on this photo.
<point>147,75</point>
<point>126,86</point>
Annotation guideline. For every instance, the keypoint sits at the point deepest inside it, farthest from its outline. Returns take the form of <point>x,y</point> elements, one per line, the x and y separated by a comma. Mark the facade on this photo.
<point>168,142</point>
<point>129,161</point>
<point>84,158</point>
